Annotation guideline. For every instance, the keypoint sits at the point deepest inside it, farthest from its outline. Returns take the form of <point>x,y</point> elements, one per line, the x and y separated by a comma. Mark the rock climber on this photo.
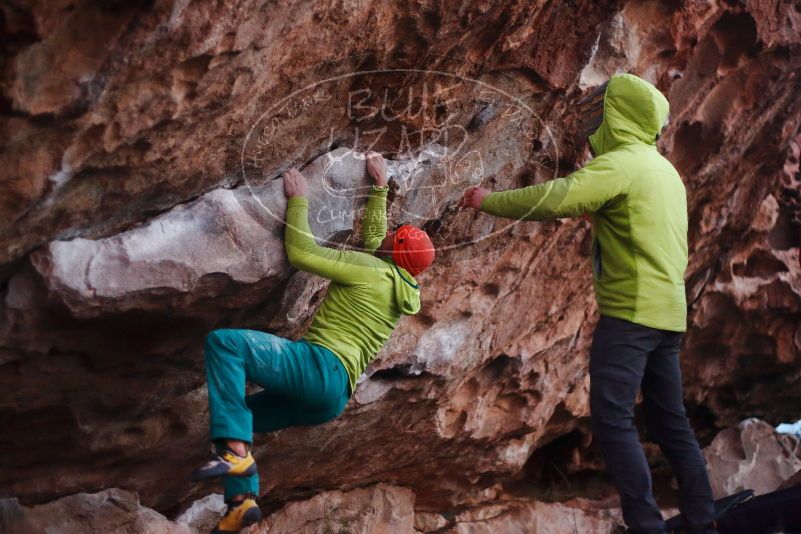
<point>637,204</point>
<point>309,381</point>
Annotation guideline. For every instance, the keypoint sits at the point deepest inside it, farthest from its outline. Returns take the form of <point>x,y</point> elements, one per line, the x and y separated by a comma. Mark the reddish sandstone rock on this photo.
<point>379,509</point>
<point>127,232</point>
<point>112,510</point>
<point>753,456</point>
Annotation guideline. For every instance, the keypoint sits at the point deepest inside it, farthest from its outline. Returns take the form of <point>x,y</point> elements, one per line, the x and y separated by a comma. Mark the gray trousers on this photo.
<point>626,358</point>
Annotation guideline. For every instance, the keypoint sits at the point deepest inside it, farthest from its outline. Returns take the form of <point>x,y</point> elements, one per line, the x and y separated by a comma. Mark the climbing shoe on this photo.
<point>226,463</point>
<point>240,514</point>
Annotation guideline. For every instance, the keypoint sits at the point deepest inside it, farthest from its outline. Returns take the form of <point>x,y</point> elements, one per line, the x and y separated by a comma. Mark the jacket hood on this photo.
<point>634,112</point>
<point>407,292</point>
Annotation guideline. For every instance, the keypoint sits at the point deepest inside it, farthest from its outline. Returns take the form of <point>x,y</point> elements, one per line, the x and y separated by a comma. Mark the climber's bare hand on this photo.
<point>294,183</point>
<point>376,168</point>
<point>473,196</point>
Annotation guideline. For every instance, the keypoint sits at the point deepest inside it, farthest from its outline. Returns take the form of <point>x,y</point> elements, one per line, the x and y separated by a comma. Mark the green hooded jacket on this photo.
<point>367,294</point>
<point>638,205</point>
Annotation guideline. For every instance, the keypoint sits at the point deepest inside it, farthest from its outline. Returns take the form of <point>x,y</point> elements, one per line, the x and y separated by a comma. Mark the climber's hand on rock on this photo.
<point>294,183</point>
<point>473,196</point>
<point>376,168</point>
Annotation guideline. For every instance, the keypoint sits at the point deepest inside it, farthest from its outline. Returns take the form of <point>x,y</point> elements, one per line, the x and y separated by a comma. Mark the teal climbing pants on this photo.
<point>303,384</point>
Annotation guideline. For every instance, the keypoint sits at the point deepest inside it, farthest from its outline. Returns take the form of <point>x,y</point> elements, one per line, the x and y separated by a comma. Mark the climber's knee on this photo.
<point>221,342</point>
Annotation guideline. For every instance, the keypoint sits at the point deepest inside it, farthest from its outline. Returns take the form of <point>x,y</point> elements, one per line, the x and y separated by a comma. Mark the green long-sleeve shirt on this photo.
<point>638,205</point>
<point>367,294</point>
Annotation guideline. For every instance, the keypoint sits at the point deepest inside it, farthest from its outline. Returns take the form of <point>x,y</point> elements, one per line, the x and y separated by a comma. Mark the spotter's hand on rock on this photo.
<point>473,196</point>
<point>376,168</point>
<point>294,183</point>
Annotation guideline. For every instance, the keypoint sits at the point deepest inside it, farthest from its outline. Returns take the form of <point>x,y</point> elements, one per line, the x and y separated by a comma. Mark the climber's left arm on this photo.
<point>343,266</point>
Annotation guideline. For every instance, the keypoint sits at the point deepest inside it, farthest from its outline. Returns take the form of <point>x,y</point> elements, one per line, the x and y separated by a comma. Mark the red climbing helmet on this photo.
<point>412,249</point>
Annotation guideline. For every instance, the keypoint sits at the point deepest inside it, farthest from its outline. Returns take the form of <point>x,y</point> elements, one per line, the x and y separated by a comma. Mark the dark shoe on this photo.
<point>226,463</point>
